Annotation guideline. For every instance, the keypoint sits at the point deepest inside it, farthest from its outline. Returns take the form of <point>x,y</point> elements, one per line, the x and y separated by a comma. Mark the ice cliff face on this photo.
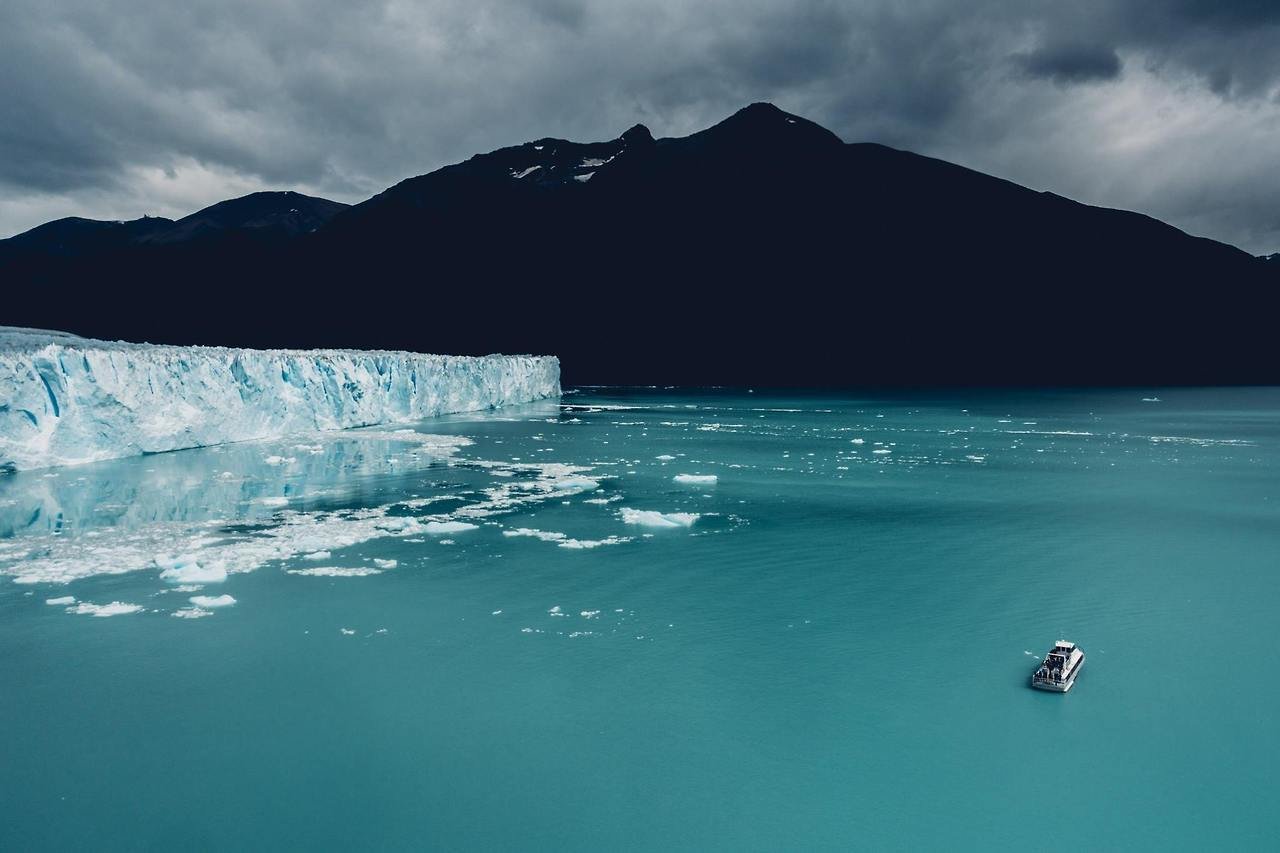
<point>65,400</point>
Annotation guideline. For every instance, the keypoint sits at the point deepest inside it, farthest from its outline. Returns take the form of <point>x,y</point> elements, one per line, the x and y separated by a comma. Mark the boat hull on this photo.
<point>1060,686</point>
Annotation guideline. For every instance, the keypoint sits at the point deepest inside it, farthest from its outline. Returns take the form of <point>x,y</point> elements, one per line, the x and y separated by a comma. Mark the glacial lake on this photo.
<point>658,619</point>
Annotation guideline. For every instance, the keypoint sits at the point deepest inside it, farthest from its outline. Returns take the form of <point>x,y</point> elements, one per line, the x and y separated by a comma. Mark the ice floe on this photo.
<point>385,564</point>
<point>442,527</point>
<point>115,608</point>
<point>564,540</point>
<point>696,479</point>
<point>186,569</point>
<point>652,518</point>
<point>212,600</point>
<point>335,572</point>
<point>191,613</point>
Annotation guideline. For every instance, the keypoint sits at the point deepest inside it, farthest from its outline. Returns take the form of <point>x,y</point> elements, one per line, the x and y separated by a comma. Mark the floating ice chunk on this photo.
<point>385,564</point>
<point>496,613</point>
<point>62,601</point>
<point>115,608</point>
<point>602,501</point>
<point>438,527</point>
<point>347,632</point>
<point>564,540</point>
<point>589,614</point>
<point>666,457</point>
<point>195,574</point>
<point>587,544</point>
<point>1151,399</point>
<point>652,518</point>
<point>544,535</point>
<point>185,569</point>
<point>212,600</point>
<point>573,485</point>
<point>882,451</point>
<point>317,555</point>
<point>555,611</point>
<point>335,572</point>
<point>857,441</point>
<point>696,479</point>
<point>192,613</point>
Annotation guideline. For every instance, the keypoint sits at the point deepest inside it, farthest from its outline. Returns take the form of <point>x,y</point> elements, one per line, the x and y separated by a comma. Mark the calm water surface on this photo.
<point>828,647</point>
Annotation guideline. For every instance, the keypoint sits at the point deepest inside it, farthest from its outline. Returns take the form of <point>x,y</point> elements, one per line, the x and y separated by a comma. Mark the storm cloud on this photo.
<point>121,108</point>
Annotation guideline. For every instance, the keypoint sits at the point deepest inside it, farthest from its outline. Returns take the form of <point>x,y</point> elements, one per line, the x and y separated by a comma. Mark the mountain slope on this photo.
<point>286,214</point>
<point>762,250</point>
<point>74,236</point>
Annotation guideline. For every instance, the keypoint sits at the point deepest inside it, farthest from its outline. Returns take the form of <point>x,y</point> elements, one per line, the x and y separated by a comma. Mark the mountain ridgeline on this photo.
<point>761,251</point>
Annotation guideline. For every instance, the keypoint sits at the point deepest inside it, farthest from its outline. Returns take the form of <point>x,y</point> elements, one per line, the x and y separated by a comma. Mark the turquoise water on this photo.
<point>833,654</point>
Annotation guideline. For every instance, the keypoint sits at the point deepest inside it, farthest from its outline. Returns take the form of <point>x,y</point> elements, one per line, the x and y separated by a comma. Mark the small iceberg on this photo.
<point>115,608</point>
<point>652,518</point>
<point>212,600</point>
<point>186,569</point>
<point>439,527</point>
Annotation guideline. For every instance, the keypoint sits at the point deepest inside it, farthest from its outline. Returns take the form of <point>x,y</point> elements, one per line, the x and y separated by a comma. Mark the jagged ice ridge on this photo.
<point>66,400</point>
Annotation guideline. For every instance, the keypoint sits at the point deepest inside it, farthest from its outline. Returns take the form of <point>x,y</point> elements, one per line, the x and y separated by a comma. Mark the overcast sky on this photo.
<point>119,108</point>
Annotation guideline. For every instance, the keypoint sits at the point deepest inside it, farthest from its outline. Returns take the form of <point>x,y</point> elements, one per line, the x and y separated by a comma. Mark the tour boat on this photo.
<point>1059,669</point>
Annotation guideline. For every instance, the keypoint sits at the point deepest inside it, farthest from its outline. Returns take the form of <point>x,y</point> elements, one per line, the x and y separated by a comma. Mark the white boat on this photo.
<point>1059,669</point>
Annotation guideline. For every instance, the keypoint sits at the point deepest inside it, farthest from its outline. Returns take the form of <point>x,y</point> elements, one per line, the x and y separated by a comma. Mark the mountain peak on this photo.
<point>283,210</point>
<point>764,124</point>
<point>761,108</point>
<point>637,134</point>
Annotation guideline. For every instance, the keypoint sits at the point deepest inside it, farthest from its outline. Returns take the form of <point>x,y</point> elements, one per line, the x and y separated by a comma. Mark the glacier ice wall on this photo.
<point>66,400</point>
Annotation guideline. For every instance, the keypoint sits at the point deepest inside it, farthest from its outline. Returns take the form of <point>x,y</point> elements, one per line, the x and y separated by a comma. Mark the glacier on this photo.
<point>66,400</point>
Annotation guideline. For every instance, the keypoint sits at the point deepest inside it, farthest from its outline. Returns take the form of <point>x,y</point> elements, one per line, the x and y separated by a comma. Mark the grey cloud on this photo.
<point>1072,63</point>
<point>343,98</point>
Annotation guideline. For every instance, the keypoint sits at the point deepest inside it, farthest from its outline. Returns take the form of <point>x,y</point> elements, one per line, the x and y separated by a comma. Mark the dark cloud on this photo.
<point>142,106</point>
<point>1072,63</point>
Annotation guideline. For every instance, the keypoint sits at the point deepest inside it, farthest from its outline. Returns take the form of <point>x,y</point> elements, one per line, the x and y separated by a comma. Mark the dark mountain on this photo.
<point>262,216</point>
<point>75,236</point>
<point>277,214</point>
<point>762,251</point>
